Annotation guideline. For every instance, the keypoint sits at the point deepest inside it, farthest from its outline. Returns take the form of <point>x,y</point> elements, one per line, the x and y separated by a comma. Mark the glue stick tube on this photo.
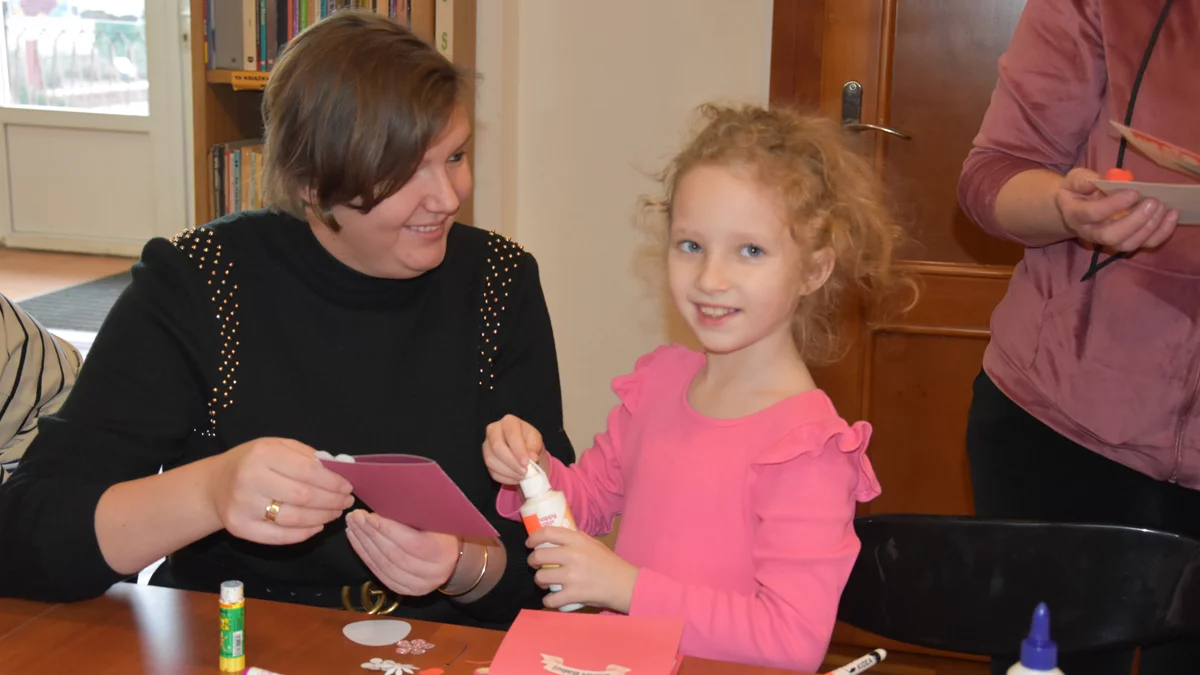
<point>233,627</point>
<point>544,507</point>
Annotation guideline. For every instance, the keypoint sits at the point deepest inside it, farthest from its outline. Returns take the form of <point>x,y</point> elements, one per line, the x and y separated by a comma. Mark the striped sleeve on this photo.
<point>36,374</point>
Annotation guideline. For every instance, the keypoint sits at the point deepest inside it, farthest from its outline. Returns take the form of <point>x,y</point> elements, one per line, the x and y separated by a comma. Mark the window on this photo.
<point>85,55</point>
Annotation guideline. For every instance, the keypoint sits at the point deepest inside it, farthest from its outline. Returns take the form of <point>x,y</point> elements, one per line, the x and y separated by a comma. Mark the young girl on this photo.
<point>736,478</point>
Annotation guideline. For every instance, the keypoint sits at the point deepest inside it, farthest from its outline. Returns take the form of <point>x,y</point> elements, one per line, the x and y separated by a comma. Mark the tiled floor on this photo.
<point>24,274</point>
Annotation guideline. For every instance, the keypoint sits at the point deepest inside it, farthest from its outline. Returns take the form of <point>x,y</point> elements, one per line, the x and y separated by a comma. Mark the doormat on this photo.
<point>78,308</point>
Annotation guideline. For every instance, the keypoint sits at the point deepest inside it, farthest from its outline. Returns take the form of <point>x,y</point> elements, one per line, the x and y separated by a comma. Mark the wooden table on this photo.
<point>17,613</point>
<point>148,629</point>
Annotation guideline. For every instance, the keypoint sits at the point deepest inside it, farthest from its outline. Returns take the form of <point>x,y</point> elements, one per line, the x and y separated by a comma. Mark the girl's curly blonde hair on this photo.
<point>830,196</point>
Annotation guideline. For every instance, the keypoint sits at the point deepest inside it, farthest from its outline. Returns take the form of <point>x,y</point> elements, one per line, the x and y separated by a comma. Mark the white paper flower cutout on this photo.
<point>390,667</point>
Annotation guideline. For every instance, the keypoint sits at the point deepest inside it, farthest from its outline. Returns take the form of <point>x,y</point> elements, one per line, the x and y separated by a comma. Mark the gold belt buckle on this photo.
<point>373,599</point>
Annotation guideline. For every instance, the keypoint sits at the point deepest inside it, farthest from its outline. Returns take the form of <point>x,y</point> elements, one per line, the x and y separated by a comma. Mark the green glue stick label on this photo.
<point>233,623</point>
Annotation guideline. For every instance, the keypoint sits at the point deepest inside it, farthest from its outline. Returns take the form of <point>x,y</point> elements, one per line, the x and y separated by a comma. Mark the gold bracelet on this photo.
<point>482,572</point>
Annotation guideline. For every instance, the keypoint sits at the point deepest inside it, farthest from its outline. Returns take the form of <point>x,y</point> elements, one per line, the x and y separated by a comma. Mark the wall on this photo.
<point>579,103</point>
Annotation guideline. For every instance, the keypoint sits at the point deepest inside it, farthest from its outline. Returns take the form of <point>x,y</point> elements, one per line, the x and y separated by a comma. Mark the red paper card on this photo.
<point>589,644</point>
<point>414,491</point>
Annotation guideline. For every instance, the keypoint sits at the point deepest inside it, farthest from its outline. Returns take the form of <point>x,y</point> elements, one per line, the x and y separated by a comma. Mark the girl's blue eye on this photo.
<point>457,157</point>
<point>689,246</point>
<point>752,251</point>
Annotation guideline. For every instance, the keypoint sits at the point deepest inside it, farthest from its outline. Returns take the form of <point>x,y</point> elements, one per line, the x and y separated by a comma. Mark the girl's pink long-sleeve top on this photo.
<point>744,527</point>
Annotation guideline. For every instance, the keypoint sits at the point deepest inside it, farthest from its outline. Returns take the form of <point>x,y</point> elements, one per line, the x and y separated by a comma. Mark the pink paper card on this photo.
<point>1162,153</point>
<point>589,644</point>
<point>414,491</point>
<point>1184,197</point>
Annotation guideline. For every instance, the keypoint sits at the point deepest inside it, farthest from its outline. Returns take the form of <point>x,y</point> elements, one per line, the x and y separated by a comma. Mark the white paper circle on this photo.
<point>378,632</point>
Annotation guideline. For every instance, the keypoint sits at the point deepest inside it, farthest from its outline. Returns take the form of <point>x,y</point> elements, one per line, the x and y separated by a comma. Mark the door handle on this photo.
<point>852,112</point>
<point>859,126</point>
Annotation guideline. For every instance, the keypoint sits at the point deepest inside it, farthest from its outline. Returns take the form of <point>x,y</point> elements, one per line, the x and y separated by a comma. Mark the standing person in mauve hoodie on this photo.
<point>1087,406</point>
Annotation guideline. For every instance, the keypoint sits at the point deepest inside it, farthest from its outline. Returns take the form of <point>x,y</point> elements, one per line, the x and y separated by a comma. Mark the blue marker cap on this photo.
<point>1038,651</point>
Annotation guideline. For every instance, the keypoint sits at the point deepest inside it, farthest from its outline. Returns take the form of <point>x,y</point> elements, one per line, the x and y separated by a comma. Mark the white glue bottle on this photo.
<point>544,507</point>
<point>1039,654</point>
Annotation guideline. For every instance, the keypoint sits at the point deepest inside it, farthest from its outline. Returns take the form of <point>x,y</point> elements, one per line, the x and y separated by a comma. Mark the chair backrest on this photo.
<point>970,585</point>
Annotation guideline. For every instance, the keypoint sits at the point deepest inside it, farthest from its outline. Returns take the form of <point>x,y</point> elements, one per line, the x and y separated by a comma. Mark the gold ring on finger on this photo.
<point>273,510</point>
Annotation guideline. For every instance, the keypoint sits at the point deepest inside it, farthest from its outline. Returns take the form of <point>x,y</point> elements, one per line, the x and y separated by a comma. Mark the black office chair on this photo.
<point>970,585</point>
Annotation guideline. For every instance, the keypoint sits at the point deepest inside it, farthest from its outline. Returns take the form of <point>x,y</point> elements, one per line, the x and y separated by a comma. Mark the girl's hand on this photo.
<point>589,572</point>
<point>510,445</point>
<point>249,482</point>
<point>408,561</point>
<point>1113,220</point>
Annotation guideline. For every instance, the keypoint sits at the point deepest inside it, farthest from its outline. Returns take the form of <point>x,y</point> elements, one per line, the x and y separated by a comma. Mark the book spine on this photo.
<point>237,180</point>
<point>218,180</point>
<point>228,180</point>
<point>209,60</point>
<point>250,35</point>
<point>443,29</point>
<point>253,179</point>
<point>262,44</point>
<point>226,42</point>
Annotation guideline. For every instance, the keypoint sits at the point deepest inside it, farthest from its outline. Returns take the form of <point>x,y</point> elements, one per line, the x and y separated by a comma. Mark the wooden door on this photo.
<point>927,69</point>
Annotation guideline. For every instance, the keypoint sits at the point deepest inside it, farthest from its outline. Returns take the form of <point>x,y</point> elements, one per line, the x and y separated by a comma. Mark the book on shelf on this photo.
<point>248,34</point>
<point>236,176</point>
<point>444,29</point>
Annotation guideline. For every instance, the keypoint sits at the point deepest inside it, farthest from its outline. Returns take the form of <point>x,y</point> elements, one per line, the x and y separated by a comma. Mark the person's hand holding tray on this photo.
<point>411,490</point>
<point>1179,196</point>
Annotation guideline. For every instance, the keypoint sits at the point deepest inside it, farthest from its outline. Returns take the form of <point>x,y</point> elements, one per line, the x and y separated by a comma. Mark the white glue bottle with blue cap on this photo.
<point>1039,654</point>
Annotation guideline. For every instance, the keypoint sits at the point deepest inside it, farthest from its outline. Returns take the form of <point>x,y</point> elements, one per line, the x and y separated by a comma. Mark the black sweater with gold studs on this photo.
<point>247,328</point>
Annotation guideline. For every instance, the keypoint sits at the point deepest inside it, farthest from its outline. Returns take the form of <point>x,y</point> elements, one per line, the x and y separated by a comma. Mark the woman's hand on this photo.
<point>1113,220</point>
<point>589,572</point>
<point>408,561</point>
<point>248,479</point>
<point>508,448</point>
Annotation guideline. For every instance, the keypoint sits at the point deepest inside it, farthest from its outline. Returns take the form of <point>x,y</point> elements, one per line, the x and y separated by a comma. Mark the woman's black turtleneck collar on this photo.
<point>298,247</point>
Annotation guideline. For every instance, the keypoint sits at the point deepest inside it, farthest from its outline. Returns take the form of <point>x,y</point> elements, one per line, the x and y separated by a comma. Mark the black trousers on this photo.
<point>1020,468</point>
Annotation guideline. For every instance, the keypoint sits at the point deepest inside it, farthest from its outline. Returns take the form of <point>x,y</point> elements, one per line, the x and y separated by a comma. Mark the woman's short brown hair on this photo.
<point>351,107</point>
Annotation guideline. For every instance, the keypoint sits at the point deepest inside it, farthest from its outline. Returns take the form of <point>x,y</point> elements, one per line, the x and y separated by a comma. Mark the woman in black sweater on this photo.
<point>353,317</point>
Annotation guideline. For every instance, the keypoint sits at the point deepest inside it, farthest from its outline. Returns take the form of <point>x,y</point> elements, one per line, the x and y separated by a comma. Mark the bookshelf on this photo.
<point>226,103</point>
